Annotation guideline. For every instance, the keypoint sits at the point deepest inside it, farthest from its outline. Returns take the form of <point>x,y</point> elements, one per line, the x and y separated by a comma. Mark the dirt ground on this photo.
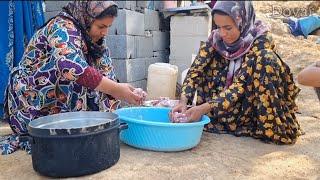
<point>223,156</point>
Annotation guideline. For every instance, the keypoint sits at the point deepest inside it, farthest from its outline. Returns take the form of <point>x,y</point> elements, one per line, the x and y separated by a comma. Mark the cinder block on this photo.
<point>48,15</point>
<point>182,65</point>
<point>126,4</point>
<point>128,23</point>
<point>164,23</point>
<point>142,4</point>
<point>161,40</point>
<point>143,46</point>
<point>55,5</point>
<point>182,47</point>
<point>121,46</point>
<point>190,25</point>
<point>163,55</point>
<point>158,5</point>
<point>151,19</point>
<point>140,84</point>
<point>129,47</point>
<point>129,70</point>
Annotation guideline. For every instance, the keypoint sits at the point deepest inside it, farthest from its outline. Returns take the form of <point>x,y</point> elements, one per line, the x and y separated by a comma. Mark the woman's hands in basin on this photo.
<point>180,113</point>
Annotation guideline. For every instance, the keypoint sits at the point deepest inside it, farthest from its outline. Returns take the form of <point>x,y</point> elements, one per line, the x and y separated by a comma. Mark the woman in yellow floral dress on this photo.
<point>241,82</point>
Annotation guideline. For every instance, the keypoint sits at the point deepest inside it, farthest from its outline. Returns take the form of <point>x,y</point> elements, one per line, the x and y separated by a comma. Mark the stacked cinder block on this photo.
<point>137,39</point>
<point>52,8</point>
<point>186,34</point>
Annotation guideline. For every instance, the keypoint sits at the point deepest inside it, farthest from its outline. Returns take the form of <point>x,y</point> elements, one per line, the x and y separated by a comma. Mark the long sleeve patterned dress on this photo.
<point>260,101</point>
<point>53,77</point>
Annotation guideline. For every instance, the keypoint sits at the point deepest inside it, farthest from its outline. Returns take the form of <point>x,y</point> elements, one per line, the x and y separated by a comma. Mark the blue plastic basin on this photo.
<point>151,129</point>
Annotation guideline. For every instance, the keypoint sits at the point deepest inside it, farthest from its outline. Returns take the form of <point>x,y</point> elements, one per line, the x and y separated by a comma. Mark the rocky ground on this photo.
<point>224,156</point>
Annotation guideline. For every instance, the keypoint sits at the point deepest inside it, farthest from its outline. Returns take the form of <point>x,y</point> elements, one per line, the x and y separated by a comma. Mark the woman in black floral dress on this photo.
<point>241,82</point>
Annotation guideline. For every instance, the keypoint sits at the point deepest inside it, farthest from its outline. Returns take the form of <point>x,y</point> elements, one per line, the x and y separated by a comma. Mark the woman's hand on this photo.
<point>121,91</point>
<point>195,113</point>
<point>126,92</point>
<point>179,108</point>
<point>141,93</point>
<point>310,76</point>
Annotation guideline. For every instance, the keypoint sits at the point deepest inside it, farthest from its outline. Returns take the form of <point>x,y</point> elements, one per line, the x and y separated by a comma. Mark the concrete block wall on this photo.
<point>136,41</point>
<point>52,8</point>
<point>182,47</point>
<point>151,19</point>
<point>128,23</point>
<point>160,40</point>
<point>130,47</point>
<point>141,5</point>
<point>197,25</point>
<point>131,5</point>
<point>144,46</point>
<point>130,70</point>
<point>121,46</point>
<point>186,33</point>
<point>163,54</point>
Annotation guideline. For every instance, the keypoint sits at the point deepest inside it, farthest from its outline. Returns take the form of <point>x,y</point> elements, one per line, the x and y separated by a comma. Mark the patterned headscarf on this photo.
<point>243,14</point>
<point>86,11</point>
<point>83,13</point>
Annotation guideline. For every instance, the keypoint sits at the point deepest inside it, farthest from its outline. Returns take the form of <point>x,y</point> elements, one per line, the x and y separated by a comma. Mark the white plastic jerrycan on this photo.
<point>162,80</point>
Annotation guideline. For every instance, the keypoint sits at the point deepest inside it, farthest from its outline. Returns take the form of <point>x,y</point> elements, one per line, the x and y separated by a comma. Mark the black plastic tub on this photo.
<point>74,143</point>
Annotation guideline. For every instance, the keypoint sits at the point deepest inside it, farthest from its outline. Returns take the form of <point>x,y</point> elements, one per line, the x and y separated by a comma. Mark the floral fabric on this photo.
<point>259,103</point>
